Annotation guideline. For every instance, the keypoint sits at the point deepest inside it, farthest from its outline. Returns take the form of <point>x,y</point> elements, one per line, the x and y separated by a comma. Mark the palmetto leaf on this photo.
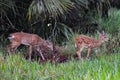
<point>49,8</point>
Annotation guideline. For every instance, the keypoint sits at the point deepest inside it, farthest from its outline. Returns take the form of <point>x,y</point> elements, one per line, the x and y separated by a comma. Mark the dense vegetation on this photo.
<point>60,23</point>
<point>105,67</point>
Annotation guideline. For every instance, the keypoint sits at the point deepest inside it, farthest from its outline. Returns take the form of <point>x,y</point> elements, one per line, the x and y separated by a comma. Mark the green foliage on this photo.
<point>58,33</point>
<point>62,33</point>
<point>105,67</point>
<point>71,13</point>
<point>112,27</point>
<point>114,42</point>
<point>69,45</point>
<point>49,8</point>
<point>111,24</point>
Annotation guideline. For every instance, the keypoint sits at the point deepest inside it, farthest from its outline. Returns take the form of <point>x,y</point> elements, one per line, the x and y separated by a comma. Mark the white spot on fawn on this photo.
<point>75,45</point>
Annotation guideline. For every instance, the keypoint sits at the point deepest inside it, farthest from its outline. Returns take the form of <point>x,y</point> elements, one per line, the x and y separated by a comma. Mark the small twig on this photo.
<point>53,31</point>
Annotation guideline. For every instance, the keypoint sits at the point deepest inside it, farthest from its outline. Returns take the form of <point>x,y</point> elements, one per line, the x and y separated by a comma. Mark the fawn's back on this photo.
<point>25,38</point>
<point>87,41</point>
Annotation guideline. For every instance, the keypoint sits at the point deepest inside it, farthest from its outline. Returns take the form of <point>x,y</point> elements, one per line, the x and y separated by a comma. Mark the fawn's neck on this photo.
<point>41,41</point>
<point>100,41</point>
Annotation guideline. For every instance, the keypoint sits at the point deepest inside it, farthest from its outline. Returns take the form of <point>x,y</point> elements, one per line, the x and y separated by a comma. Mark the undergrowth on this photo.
<point>15,67</point>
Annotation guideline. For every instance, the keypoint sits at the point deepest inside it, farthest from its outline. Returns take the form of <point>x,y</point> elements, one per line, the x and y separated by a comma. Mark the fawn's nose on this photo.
<point>50,47</point>
<point>108,40</point>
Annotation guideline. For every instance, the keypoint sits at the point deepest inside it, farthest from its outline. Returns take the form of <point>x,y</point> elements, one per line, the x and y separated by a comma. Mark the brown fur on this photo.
<point>33,40</point>
<point>83,41</point>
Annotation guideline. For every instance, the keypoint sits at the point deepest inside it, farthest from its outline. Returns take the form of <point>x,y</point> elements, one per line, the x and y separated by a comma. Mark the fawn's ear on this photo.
<point>103,32</point>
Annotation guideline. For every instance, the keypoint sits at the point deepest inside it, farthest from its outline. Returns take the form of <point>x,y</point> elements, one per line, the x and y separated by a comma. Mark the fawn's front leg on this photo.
<point>79,52</point>
<point>40,52</point>
<point>11,47</point>
<point>89,50</point>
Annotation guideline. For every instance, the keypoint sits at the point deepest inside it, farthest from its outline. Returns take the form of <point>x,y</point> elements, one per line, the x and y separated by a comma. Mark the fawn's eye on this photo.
<point>105,37</point>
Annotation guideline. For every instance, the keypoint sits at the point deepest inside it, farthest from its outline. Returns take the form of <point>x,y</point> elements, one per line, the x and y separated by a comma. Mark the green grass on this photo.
<point>112,23</point>
<point>15,67</point>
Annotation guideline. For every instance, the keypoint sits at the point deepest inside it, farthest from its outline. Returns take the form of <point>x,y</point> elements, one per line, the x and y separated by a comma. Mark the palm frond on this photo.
<point>49,8</point>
